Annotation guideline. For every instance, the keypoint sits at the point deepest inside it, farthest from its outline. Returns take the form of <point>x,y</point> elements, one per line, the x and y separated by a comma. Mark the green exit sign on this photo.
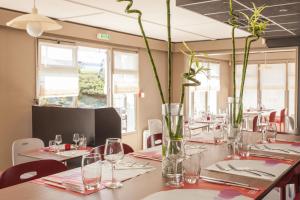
<point>103,36</point>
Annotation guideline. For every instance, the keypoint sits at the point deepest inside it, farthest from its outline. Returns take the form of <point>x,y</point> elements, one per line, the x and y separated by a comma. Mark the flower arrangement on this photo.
<point>256,26</point>
<point>188,78</point>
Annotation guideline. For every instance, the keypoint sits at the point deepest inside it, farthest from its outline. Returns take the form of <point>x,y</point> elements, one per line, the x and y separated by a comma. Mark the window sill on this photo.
<point>128,133</point>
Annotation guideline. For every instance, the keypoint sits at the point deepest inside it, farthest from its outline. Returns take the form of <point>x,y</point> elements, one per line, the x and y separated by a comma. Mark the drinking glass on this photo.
<point>58,141</point>
<point>271,133</point>
<point>76,139</point>
<point>113,153</point>
<point>175,155</point>
<point>52,145</point>
<point>91,171</point>
<point>192,165</point>
<point>82,141</point>
<point>244,144</point>
<point>187,132</point>
<point>218,133</point>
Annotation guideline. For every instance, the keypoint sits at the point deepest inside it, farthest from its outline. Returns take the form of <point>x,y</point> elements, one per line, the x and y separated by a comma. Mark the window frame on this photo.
<point>109,72</point>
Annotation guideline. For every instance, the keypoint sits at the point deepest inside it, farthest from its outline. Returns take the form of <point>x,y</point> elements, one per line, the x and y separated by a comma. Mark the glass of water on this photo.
<point>91,171</point>
<point>175,156</point>
<point>218,133</point>
<point>52,145</point>
<point>192,165</point>
<point>244,144</point>
<point>271,133</point>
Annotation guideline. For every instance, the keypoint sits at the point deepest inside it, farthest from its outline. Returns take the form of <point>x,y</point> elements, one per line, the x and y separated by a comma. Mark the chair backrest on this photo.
<point>282,116</point>
<point>255,128</point>
<point>100,149</point>
<point>272,117</point>
<point>36,169</point>
<point>23,145</point>
<point>155,126</point>
<point>154,140</point>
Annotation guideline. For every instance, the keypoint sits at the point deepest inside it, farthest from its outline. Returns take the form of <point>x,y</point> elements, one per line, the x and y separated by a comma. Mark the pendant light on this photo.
<point>34,23</point>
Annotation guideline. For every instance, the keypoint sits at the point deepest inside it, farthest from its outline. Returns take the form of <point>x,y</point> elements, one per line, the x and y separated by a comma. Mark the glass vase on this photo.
<point>234,127</point>
<point>173,124</point>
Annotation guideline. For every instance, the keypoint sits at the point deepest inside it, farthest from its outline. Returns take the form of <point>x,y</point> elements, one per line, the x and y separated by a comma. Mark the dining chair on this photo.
<point>154,140</point>
<point>100,149</point>
<point>254,126</point>
<point>280,121</point>
<point>272,117</point>
<point>29,171</point>
<point>154,126</point>
<point>22,145</point>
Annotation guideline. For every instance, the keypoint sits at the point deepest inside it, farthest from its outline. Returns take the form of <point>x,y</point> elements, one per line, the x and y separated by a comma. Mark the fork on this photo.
<point>276,149</point>
<point>244,170</point>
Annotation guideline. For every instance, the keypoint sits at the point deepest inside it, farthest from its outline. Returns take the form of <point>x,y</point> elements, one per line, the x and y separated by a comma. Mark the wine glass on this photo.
<point>76,139</point>
<point>52,145</point>
<point>271,132</point>
<point>175,154</point>
<point>58,141</point>
<point>113,153</point>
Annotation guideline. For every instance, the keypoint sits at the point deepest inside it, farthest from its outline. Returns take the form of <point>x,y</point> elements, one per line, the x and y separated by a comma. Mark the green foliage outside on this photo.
<point>91,83</point>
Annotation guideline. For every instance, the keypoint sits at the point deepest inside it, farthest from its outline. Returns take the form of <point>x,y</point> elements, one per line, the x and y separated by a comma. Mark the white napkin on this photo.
<point>73,153</point>
<point>276,168</point>
<point>123,174</point>
<point>191,194</point>
<point>292,149</point>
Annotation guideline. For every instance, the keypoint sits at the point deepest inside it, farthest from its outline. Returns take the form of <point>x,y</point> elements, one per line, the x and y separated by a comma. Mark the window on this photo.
<point>273,83</point>
<point>70,75</point>
<point>250,88</point>
<point>205,97</point>
<point>125,86</point>
<point>291,88</point>
<point>79,76</point>
<point>93,65</point>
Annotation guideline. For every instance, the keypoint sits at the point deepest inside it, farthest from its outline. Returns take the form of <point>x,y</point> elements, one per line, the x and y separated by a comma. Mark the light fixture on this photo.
<point>34,23</point>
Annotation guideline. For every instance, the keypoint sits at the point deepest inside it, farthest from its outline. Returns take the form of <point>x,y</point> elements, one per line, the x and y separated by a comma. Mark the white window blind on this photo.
<point>57,71</point>
<point>125,72</point>
<point>250,88</point>
<point>272,85</point>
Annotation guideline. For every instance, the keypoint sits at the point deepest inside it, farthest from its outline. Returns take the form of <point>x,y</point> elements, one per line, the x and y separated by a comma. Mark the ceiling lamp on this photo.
<point>34,23</point>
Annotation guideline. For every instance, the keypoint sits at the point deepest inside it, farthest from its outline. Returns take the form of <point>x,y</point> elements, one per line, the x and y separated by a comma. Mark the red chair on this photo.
<point>154,140</point>
<point>272,117</point>
<point>254,127</point>
<point>281,121</point>
<point>100,149</point>
<point>35,169</point>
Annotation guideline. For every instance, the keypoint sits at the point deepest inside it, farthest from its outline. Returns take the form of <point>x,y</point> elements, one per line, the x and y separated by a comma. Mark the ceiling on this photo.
<point>109,14</point>
<point>283,15</point>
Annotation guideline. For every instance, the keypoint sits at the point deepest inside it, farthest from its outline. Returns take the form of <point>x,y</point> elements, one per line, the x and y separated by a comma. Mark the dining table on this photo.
<point>151,182</point>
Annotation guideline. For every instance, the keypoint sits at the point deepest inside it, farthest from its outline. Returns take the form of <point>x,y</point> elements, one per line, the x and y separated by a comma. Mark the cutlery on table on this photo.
<point>243,170</point>
<point>270,156</point>
<point>293,150</point>
<point>250,170</point>
<point>276,149</point>
<point>226,182</point>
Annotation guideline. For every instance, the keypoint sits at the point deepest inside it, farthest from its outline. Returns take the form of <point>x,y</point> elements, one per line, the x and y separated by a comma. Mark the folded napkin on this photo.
<point>73,153</point>
<point>151,155</point>
<point>275,168</point>
<point>283,148</point>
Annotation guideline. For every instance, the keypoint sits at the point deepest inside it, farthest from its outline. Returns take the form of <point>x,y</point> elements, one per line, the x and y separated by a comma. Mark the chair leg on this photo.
<point>283,193</point>
<point>296,182</point>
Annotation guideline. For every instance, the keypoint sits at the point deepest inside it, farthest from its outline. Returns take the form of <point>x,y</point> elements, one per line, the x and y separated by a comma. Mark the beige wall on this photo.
<point>17,78</point>
<point>17,86</point>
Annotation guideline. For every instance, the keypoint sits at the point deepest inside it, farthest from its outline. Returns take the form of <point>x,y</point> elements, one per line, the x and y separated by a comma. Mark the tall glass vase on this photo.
<point>234,127</point>
<point>173,124</point>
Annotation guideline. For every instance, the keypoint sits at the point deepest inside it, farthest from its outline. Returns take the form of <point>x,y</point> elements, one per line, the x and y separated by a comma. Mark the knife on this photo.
<point>226,182</point>
<point>270,156</point>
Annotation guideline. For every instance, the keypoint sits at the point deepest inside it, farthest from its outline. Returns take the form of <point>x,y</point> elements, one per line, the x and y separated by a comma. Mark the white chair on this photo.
<point>23,145</point>
<point>155,126</point>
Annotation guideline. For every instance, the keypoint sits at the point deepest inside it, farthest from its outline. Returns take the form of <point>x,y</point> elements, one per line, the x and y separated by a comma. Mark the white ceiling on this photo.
<point>109,14</point>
